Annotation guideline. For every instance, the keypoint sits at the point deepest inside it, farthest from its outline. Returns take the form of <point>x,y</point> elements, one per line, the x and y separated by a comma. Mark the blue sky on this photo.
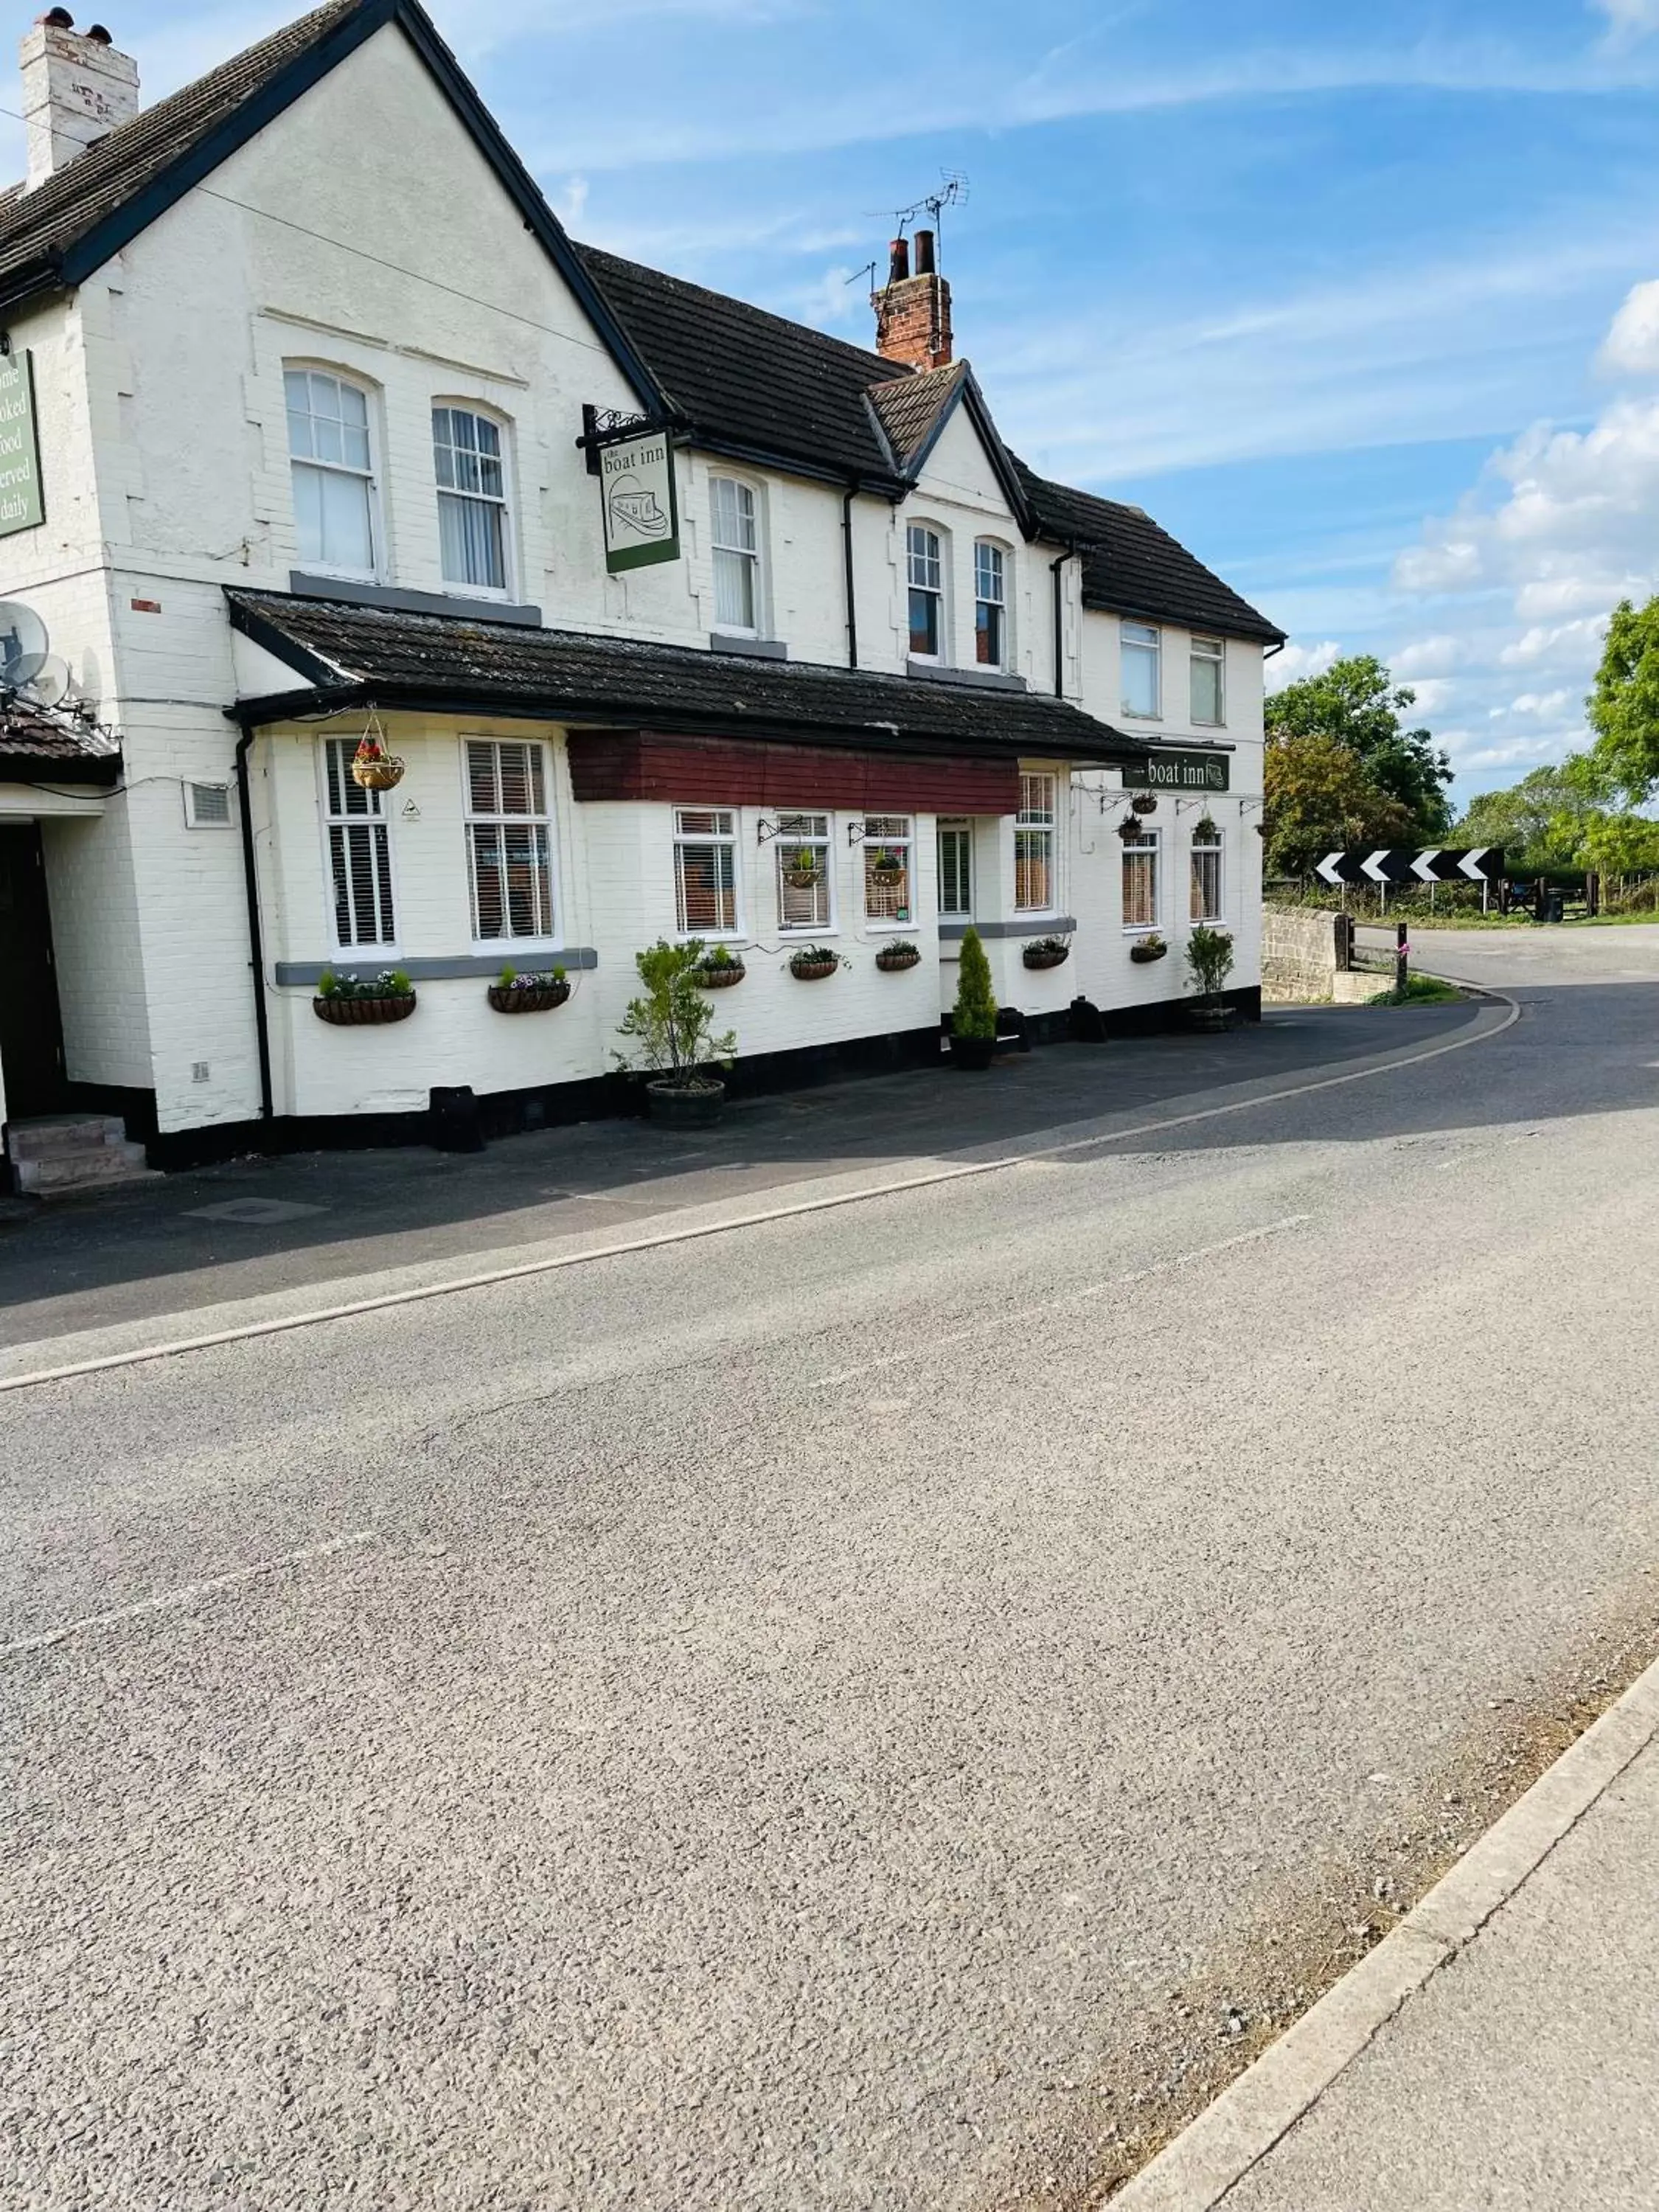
<point>1348,297</point>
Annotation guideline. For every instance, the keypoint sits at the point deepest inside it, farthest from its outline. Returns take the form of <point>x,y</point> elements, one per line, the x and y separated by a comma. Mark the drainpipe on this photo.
<point>848,498</point>
<point>255,936</point>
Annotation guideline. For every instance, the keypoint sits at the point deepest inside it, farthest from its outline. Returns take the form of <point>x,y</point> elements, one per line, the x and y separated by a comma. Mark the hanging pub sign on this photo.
<point>23,501</point>
<point>1178,772</point>
<point>641,515</point>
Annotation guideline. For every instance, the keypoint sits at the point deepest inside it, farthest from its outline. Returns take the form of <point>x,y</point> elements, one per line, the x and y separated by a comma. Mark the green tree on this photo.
<point>1357,703</point>
<point>975,1014</point>
<point>1320,799</point>
<point>1541,821</point>
<point>1622,844</point>
<point>1624,707</point>
<point>671,1025</point>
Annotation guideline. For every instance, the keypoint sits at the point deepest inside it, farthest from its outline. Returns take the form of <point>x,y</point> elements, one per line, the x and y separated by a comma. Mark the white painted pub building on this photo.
<point>314,423</point>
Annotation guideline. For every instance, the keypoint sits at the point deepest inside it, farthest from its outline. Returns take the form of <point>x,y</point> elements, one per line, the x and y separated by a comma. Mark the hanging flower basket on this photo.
<point>813,963</point>
<point>1145,802</point>
<point>888,864</point>
<point>803,880</point>
<point>1205,831</point>
<point>719,975</point>
<point>528,994</point>
<point>894,959</point>
<point>1130,827</point>
<point>372,765</point>
<point>1046,953</point>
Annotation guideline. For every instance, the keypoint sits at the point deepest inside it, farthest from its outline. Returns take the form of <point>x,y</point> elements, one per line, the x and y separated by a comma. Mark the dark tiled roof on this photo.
<point>909,406</point>
<point>748,377</point>
<point>40,738</point>
<point>446,661</point>
<point>37,225</point>
<point>1131,567</point>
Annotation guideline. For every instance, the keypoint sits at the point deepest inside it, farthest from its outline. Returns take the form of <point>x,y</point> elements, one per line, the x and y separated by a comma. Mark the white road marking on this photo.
<point>1070,1299</point>
<point>142,1354</point>
<point>168,1599</point>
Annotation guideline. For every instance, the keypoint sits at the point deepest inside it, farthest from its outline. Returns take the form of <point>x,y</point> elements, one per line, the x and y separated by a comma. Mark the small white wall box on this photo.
<point>207,806</point>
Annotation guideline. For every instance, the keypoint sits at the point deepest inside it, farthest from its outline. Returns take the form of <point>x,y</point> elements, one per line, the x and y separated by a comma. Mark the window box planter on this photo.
<point>350,1013</point>
<point>1046,953</point>
<point>1148,949</point>
<point>894,959</point>
<point>813,963</point>
<point>688,1104</point>
<point>536,998</point>
<point>719,975</point>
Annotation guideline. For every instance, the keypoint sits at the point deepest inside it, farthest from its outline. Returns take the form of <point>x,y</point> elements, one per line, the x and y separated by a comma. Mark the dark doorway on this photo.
<point>31,1030</point>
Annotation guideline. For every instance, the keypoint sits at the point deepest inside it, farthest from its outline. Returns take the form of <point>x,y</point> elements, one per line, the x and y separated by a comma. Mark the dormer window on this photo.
<point>735,536</point>
<point>990,607</point>
<point>927,572</point>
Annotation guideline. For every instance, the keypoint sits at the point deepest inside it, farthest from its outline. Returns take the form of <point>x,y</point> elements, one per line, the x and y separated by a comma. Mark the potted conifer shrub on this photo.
<point>1209,964</point>
<point>974,1018</point>
<point>670,1029</point>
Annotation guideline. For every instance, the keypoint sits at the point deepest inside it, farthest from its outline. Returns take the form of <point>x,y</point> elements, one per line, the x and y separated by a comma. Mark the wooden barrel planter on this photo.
<point>811,971</point>
<point>1047,956</point>
<point>362,1013</point>
<point>894,964</point>
<point>720,978</point>
<point>527,998</point>
<point>693,1104</point>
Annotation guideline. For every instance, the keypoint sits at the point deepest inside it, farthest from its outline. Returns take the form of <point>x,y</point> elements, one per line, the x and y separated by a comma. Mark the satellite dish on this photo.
<point>24,644</point>
<point>49,686</point>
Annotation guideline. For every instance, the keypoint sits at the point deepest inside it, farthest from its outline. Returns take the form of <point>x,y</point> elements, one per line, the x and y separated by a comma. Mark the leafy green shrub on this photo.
<point>1209,959</point>
<point>671,1023</point>
<point>975,1013</point>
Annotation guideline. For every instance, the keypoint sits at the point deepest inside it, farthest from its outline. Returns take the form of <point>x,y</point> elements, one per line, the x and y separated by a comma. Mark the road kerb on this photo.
<point>1214,2153</point>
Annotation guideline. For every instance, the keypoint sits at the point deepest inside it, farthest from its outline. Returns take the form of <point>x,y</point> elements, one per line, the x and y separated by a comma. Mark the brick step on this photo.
<point>93,1167</point>
<point>51,1134</point>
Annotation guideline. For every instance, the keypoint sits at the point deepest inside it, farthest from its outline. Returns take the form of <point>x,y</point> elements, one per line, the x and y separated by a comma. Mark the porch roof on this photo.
<point>41,744</point>
<point>452,664</point>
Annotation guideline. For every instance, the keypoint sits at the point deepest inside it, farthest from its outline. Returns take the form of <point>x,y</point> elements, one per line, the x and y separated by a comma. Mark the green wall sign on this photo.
<point>642,515</point>
<point>23,501</point>
<point>1178,772</point>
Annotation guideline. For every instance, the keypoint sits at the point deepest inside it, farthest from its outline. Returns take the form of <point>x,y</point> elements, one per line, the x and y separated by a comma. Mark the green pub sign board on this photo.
<point>1178,772</point>
<point>641,515</point>
<point>22,501</point>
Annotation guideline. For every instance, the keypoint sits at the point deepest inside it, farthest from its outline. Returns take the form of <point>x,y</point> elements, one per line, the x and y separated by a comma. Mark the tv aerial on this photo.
<point>29,669</point>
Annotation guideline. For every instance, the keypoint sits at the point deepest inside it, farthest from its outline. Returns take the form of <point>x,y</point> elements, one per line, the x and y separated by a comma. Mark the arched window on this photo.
<point>734,535</point>
<point>990,605</point>
<point>925,564</point>
<point>332,457</point>
<point>470,466</point>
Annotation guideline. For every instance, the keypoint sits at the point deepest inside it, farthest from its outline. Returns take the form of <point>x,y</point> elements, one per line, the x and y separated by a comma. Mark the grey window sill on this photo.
<point>288,973</point>
<point>1035,924</point>
<point>346,594</point>
<point>982,679</point>
<point>756,648</point>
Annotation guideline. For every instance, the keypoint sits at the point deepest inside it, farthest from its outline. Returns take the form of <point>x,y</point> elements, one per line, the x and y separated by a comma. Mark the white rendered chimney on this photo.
<point>76,87</point>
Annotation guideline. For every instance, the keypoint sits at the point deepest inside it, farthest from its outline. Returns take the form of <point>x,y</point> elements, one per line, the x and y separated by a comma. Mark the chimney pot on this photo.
<point>924,253</point>
<point>77,87</point>
<point>898,261</point>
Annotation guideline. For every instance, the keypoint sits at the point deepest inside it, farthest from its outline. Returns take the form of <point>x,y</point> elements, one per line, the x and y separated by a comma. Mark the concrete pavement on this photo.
<point>851,1713</point>
<point>1500,2048</point>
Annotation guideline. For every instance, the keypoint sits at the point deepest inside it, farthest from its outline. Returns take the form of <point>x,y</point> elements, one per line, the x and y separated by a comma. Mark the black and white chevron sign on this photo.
<point>1474,864</point>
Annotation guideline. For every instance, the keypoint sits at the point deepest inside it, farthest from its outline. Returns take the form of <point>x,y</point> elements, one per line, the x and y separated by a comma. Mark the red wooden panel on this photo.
<point>687,771</point>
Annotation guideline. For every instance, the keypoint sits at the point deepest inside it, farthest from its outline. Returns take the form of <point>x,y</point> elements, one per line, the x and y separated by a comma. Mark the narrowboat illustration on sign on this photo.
<point>633,507</point>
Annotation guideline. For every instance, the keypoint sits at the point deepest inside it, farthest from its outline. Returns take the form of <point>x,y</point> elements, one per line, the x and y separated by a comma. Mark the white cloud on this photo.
<point>1544,642</point>
<point>1428,657</point>
<point>1433,692</point>
<point>1544,705</point>
<point>1631,346</point>
<point>1629,20</point>
<point>1297,661</point>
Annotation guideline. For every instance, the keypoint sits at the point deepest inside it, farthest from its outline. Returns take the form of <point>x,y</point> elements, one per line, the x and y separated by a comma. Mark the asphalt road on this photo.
<point>757,1724</point>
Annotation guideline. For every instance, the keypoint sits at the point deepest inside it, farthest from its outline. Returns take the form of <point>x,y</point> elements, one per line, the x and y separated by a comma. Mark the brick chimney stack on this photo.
<point>76,87</point>
<point>913,313</point>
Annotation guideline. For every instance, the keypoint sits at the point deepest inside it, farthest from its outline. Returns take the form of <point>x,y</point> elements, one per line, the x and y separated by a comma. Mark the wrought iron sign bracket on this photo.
<point>614,426</point>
